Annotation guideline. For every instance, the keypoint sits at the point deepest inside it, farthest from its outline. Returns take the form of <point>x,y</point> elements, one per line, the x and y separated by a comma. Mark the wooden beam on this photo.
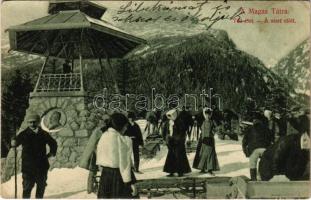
<point>116,87</point>
<point>92,41</point>
<point>174,182</point>
<point>80,59</point>
<point>106,43</point>
<point>40,74</point>
<point>118,43</point>
<point>109,64</point>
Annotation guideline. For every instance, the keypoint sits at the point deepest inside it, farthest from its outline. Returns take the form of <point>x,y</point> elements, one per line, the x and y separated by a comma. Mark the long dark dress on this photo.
<point>205,156</point>
<point>176,160</point>
<point>111,185</point>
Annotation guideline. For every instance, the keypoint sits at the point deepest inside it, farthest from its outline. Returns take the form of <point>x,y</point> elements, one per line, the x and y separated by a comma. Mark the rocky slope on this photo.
<point>295,67</point>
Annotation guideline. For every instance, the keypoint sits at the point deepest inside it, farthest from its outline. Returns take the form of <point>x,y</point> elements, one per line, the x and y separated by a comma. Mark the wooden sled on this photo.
<point>241,187</point>
<point>150,149</point>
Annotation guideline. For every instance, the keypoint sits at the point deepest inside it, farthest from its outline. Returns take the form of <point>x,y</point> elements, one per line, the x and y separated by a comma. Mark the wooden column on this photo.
<point>40,74</point>
<point>80,60</point>
<point>81,69</point>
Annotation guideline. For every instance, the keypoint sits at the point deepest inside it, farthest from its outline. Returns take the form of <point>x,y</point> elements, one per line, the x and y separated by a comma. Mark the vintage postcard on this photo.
<point>155,99</point>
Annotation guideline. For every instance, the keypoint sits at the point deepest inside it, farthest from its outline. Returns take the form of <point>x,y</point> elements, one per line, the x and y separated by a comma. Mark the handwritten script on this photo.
<point>199,13</point>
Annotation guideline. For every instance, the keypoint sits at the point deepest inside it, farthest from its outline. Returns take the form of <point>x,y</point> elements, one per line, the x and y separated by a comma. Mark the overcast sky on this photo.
<point>269,42</point>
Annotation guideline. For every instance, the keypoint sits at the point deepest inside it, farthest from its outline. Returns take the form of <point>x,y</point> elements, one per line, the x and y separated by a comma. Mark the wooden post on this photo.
<point>40,74</point>
<point>194,189</point>
<point>72,64</point>
<point>102,73</point>
<point>15,167</point>
<point>80,60</point>
<point>116,87</point>
<point>81,70</point>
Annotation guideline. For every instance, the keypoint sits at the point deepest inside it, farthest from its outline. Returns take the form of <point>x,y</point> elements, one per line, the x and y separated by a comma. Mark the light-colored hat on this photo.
<point>267,113</point>
<point>171,114</point>
<point>33,117</point>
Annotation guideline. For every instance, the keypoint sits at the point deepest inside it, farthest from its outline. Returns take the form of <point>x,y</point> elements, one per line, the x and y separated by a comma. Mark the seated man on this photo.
<point>290,155</point>
<point>66,67</point>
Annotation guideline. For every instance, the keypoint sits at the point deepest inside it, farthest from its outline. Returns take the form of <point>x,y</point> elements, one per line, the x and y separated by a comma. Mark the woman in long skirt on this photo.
<point>114,151</point>
<point>175,133</point>
<point>206,158</point>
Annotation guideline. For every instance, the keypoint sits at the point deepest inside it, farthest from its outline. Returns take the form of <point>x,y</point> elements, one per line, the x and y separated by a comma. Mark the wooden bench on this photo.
<point>192,187</point>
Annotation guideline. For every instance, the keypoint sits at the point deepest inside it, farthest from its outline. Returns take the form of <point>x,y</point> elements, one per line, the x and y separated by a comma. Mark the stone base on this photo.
<point>77,121</point>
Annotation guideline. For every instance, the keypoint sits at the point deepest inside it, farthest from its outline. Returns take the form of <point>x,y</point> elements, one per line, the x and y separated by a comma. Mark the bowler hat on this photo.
<point>33,117</point>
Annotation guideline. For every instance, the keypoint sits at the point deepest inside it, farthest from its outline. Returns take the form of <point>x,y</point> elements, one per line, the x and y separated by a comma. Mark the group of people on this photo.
<point>267,138</point>
<point>175,132</point>
<point>113,145</point>
<point>222,122</point>
<point>121,137</point>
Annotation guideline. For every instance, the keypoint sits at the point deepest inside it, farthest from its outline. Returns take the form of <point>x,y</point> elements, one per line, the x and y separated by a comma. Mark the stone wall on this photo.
<point>79,120</point>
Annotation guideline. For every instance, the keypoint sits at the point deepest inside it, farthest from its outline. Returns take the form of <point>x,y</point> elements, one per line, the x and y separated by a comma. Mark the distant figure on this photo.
<point>54,120</point>
<point>35,162</point>
<point>133,131</point>
<point>188,117</point>
<point>206,157</point>
<point>66,67</point>
<point>175,133</point>
<point>228,115</point>
<point>152,122</point>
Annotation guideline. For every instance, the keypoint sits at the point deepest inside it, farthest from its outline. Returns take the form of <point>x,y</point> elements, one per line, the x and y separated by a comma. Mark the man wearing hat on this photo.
<point>35,162</point>
<point>255,141</point>
<point>133,131</point>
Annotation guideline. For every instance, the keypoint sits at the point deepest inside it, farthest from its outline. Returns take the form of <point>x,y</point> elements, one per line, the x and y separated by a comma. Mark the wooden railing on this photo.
<point>59,82</point>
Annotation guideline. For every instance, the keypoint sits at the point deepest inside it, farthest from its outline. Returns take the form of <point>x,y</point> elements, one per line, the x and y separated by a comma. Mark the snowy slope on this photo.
<point>295,67</point>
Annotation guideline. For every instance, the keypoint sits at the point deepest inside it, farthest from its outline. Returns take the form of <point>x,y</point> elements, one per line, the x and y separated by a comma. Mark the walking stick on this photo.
<point>15,167</point>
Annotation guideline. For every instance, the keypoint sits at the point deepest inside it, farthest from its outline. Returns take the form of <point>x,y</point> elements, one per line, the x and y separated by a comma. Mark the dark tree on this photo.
<point>14,102</point>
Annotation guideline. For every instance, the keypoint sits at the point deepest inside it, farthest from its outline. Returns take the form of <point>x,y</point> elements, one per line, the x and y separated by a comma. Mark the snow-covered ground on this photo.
<point>71,183</point>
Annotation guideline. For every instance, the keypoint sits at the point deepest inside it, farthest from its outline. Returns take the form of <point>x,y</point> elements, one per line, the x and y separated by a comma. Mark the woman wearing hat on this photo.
<point>174,132</point>
<point>205,158</point>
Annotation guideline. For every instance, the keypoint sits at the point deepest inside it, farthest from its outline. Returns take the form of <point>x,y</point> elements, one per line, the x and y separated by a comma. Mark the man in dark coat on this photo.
<point>66,67</point>
<point>254,143</point>
<point>35,162</point>
<point>174,132</point>
<point>133,131</point>
<point>288,155</point>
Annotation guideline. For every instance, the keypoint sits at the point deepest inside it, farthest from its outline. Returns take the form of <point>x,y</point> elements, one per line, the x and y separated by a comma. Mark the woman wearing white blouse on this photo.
<point>114,151</point>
